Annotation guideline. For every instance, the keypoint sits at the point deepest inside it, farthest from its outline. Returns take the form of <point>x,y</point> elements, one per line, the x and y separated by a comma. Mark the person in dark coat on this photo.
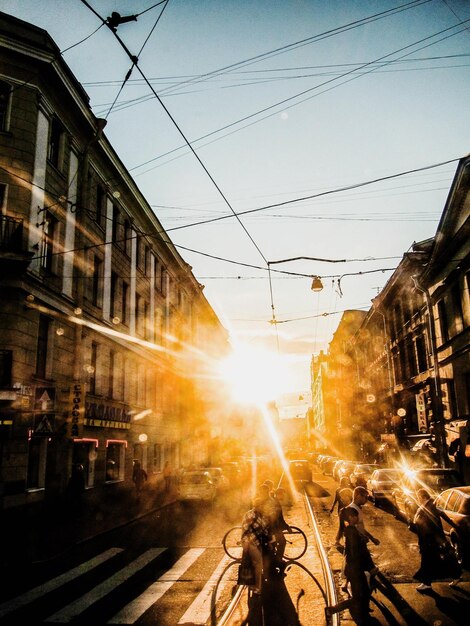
<point>343,497</point>
<point>357,561</point>
<point>139,476</point>
<point>436,559</point>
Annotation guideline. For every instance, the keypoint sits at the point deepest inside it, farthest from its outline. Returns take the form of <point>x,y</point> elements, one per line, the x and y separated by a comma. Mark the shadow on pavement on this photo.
<point>405,610</point>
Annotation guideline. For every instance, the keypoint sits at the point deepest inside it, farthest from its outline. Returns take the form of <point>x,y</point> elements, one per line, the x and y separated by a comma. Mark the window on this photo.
<point>116,229</point>
<point>84,453</point>
<point>114,284</point>
<point>421,355</point>
<point>127,237</point>
<point>157,457</point>
<point>112,366</point>
<point>163,277</point>
<point>139,305</point>
<point>3,198</point>
<point>6,359</point>
<point>92,368</point>
<point>138,250</point>
<point>5,95</point>
<point>46,248</point>
<point>449,400</point>
<point>124,302</point>
<point>100,205</point>
<point>42,346</point>
<point>146,260</point>
<point>115,458</point>
<point>458,308</point>
<point>443,325</point>
<point>56,141</point>
<point>97,284</point>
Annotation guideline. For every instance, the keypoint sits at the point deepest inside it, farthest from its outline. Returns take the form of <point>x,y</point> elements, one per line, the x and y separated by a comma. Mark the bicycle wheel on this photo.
<point>232,543</point>
<point>296,544</point>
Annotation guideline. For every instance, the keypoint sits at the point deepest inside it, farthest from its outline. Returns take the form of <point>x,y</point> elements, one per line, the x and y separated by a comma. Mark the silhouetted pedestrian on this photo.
<point>357,561</point>
<point>436,558</point>
<point>139,476</point>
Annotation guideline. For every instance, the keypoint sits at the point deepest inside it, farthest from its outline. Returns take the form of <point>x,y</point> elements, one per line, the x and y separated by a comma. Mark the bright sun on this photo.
<point>256,375</point>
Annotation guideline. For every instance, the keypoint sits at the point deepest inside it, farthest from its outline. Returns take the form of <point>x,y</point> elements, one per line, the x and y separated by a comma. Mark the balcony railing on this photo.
<point>14,258</point>
<point>11,234</point>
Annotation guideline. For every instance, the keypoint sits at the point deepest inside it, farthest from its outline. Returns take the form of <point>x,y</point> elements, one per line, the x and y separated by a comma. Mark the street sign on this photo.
<point>44,399</point>
<point>43,425</point>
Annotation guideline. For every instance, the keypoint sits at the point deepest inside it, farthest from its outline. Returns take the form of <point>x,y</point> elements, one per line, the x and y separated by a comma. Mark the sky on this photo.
<point>280,101</point>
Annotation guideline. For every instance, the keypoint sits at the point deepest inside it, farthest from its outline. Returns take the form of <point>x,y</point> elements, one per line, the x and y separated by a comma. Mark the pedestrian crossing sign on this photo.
<point>44,425</point>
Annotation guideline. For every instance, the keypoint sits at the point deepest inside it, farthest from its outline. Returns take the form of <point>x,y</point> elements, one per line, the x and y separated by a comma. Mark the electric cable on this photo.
<point>135,58</point>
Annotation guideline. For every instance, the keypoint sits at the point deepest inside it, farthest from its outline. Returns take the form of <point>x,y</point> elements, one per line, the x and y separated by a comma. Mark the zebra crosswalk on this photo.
<point>63,609</point>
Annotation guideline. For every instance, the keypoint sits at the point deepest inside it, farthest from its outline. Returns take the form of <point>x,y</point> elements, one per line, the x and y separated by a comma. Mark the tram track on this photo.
<point>310,580</point>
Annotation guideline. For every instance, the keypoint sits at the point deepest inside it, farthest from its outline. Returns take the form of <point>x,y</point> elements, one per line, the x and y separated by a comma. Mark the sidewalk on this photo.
<point>30,535</point>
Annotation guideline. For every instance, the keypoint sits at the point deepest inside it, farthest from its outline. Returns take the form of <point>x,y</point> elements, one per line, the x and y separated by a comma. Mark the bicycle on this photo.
<point>296,543</point>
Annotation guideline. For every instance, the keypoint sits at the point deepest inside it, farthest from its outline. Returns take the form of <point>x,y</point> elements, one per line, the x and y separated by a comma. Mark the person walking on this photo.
<point>360,497</point>
<point>139,477</point>
<point>343,497</point>
<point>357,561</point>
<point>436,559</point>
<point>255,538</point>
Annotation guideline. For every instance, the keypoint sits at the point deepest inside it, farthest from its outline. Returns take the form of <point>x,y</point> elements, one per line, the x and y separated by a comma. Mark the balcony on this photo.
<point>14,259</point>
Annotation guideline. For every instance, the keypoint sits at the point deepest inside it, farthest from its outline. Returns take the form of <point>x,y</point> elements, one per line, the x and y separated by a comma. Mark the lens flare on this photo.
<point>254,375</point>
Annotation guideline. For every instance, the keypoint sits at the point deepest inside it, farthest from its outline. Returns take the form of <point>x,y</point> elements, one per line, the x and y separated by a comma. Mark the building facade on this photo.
<point>102,323</point>
<point>410,357</point>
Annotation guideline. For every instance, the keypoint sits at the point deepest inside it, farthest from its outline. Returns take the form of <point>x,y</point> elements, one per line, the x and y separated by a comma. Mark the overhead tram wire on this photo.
<point>312,39</point>
<point>195,155</point>
<point>316,195</point>
<point>350,73</point>
<point>135,58</point>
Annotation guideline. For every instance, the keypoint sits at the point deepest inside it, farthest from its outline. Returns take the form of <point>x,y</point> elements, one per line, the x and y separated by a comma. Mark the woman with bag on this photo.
<point>437,560</point>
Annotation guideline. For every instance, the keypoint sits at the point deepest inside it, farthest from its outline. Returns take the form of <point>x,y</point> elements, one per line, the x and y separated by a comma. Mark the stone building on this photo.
<point>410,357</point>
<point>102,323</point>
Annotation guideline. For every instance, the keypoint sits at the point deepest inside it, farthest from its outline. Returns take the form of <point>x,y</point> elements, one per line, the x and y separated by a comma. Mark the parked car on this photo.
<point>455,502</point>
<point>218,477</point>
<point>433,479</point>
<point>196,485</point>
<point>343,470</point>
<point>327,464</point>
<point>300,469</point>
<point>361,473</point>
<point>382,482</point>
<point>233,471</point>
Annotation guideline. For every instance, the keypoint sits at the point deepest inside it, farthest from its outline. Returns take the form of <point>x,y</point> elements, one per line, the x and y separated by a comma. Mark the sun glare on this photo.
<point>255,375</point>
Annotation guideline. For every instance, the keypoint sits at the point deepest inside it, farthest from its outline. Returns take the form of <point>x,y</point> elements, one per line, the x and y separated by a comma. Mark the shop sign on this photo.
<point>421,412</point>
<point>107,415</point>
<point>76,410</point>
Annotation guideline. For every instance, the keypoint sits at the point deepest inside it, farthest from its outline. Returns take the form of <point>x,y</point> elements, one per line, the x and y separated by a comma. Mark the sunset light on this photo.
<point>255,375</point>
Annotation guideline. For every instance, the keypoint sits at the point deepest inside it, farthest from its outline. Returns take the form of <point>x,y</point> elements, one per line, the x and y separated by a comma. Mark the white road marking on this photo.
<point>132,611</point>
<point>55,583</point>
<point>67,613</point>
<point>200,610</point>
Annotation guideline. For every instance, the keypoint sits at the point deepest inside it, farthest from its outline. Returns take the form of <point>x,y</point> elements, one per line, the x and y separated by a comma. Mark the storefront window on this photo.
<point>115,457</point>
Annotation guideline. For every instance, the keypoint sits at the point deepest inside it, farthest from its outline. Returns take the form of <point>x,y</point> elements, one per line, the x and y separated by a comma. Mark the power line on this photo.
<point>317,195</point>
